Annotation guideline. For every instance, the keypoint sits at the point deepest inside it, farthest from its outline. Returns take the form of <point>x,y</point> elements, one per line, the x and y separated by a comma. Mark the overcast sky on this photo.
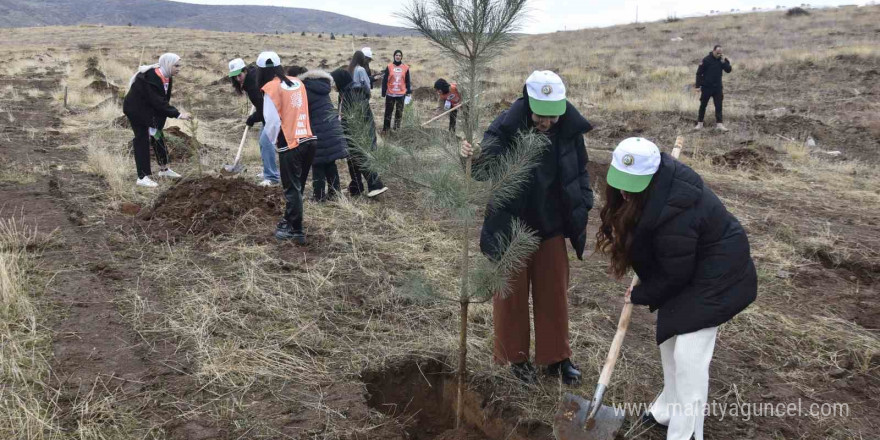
<point>544,15</point>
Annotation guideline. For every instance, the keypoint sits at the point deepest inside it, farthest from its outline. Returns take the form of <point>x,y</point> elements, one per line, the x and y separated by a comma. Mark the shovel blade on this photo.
<point>570,421</point>
<point>232,169</point>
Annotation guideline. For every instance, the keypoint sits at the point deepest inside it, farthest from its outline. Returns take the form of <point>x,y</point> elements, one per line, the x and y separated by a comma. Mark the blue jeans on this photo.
<point>268,154</point>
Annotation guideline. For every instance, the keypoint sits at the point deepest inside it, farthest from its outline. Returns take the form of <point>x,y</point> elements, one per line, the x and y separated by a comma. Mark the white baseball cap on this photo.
<point>546,93</point>
<point>367,52</point>
<point>268,59</point>
<point>633,164</point>
<point>236,66</point>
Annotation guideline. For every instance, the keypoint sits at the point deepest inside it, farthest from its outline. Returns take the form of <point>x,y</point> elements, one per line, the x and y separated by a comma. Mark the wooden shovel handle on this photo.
<point>617,343</point>
<point>243,138</point>
<point>623,323</point>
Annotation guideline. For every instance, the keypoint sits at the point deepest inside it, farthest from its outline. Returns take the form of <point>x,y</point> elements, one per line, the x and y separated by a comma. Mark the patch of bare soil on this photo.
<point>213,206</point>
<point>746,158</point>
<point>421,397</point>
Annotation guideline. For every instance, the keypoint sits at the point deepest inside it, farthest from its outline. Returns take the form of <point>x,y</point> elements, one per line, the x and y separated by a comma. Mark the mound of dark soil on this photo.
<point>424,93</point>
<point>214,206</point>
<point>745,158</point>
<point>104,86</point>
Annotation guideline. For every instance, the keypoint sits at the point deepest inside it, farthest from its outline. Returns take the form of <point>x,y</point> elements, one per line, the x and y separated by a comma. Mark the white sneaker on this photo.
<point>168,173</point>
<point>721,127</point>
<point>147,182</point>
<point>699,126</point>
<point>260,175</point>
<point>267,182</point>
<point>376,192</point>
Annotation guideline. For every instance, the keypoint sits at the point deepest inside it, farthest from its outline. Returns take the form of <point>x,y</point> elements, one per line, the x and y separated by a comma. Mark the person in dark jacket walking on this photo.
<point>360,132</point>
<point>694,264</point>
<point>245,80</point>
<point>555,204</point>
<point>396,89</point>
<point>331,145</point>
<point>710,85</point>
<point>147,106</point>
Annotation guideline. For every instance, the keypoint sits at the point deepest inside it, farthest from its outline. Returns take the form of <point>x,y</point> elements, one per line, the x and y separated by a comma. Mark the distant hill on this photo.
<point>159,13</point>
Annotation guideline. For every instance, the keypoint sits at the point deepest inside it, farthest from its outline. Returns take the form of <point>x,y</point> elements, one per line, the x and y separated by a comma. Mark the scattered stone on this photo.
<point>783,274</point>
<point>837,373</point>
<point>810,143</point>
<point>676,39</point>
<point>779,112</point>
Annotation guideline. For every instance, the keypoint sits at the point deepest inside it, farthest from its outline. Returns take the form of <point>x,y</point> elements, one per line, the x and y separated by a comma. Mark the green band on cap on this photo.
<point>235,72</point>
<point>547,108</point>
<point>627,182</point>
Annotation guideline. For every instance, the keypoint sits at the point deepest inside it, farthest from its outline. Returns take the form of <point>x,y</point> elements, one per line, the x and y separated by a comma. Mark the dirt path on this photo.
<point>97,355</point>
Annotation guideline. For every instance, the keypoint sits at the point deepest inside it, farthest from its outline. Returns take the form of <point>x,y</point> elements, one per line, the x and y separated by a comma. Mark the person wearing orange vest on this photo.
<point>396,87</point>
<point>286,116</point>
<point>450,97</point>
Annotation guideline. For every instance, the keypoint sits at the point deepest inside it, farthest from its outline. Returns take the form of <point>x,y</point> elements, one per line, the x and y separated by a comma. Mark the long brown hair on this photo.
<point>358,59</point>
<point>619,220</point>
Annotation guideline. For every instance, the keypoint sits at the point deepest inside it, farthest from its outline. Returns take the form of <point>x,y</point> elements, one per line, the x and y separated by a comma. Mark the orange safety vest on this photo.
<point>292,105</point>
<point>397,79</point>
<point>453,96</point>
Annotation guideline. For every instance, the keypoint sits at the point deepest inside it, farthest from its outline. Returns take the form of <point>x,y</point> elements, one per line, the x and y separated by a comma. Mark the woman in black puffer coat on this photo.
<point>694,264</point>
<point>360,132</point>
<point>326,127</point>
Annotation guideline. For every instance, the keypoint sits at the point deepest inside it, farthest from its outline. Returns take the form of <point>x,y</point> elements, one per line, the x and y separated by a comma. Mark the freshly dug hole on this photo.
<point>421,395</point>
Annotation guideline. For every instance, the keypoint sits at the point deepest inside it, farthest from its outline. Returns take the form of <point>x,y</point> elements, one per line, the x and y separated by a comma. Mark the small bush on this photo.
<point>797,12</point>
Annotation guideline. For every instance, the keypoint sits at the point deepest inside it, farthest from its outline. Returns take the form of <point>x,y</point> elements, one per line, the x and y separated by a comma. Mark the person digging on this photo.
<point>245,79</point>
<point>555,203</point>
<point>693,260</point>
<point>147,106</point>
<point>286,112</point>
<point>449,98</point>
<point>396,89</point>
<point>710,86</point>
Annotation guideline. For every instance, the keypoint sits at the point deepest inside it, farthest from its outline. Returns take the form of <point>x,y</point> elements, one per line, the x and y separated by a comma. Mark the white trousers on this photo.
<point>681,405</point>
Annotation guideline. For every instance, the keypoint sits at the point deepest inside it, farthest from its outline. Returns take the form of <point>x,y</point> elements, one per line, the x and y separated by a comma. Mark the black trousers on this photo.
<point>357,172</point>
<point>717,96</point>
<point>325,181</point>
<point>453,117</point>
<point>294,165</point>
<point>393,104</point>
<point>141,143</point>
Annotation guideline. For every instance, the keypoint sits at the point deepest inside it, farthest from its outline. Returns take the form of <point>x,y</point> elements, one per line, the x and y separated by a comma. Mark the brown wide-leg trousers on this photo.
<point>547,275</point>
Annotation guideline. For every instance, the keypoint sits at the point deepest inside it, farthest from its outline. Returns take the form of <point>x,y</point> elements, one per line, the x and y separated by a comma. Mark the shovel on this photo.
<point>582,419</point>
<point>236,166</point>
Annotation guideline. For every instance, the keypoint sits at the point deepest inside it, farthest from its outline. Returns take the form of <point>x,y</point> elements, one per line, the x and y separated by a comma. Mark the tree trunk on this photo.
<point>465,300</point>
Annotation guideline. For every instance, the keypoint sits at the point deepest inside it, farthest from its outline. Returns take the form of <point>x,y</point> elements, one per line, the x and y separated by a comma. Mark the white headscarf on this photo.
<point>166,62</point>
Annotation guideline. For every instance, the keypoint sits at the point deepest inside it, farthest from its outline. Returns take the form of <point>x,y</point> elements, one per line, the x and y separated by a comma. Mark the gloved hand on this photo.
<point>447,105</point>
<point>407,100</point>
<point>251,120</point>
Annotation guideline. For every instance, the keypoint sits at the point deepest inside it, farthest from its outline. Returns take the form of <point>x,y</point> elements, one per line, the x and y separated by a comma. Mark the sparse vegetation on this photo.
<point>234,335</point>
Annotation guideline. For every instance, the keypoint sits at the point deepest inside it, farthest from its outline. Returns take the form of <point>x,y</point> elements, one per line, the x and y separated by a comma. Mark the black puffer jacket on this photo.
<point>324,118</point>
<point>710,71</point>
<point>147,103</point>
<point>254,91</point>
<point>691,255</point>
<point>558,197</point>
<point>354,101</point>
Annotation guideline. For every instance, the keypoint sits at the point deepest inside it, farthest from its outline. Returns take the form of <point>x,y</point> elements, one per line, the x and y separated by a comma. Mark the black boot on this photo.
<point>284,232</point>
<point>525,372</point>
<point>647,421</point>
<point>570,373</point>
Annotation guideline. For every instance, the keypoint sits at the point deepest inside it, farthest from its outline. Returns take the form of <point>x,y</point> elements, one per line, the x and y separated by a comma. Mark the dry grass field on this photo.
<point>172,313</point>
